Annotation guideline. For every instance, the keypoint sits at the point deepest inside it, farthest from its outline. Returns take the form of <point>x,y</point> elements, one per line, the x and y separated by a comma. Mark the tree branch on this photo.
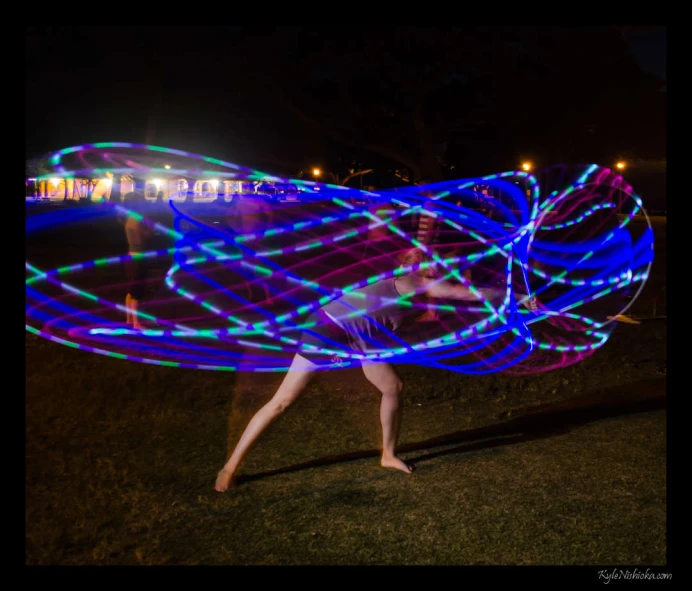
<point>350,176</point>
<point>384,151</point>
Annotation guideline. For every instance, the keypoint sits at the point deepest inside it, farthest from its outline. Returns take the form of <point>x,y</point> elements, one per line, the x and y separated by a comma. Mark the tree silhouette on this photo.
<point>425,97</point>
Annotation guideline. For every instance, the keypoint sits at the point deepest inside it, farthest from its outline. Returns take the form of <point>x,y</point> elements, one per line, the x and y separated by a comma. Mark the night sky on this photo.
<point>649,46</point>
<point>168,86</point>
<point>156,86</point>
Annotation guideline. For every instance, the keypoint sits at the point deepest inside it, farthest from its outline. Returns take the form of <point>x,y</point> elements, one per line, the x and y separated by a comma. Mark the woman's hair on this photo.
<point>416,256</point>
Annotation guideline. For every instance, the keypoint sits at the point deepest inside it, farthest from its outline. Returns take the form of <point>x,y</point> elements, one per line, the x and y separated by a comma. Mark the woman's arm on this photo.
<point>455,291</point>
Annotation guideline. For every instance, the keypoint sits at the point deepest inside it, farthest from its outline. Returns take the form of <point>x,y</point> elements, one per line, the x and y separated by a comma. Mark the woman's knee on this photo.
<point>395,388</point>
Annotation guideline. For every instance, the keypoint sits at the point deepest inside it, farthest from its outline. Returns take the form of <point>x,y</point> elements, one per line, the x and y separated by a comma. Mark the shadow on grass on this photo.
<point>538,422</point>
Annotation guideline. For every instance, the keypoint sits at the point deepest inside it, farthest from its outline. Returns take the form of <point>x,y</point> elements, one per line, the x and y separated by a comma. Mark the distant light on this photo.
<point>167,166</point>
<point>54,181</point>
<point>157,182</point>
<point>107,181</point>
<point>526,166</point>
<point>214,183</point>
<point>621,165</point>
<point>316,172</point>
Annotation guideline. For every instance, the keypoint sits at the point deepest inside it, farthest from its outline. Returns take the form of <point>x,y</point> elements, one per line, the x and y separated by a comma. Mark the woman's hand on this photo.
<point>531,304</point>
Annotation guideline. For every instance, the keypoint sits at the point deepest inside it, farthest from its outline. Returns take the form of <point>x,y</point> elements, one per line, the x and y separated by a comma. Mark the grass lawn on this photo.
<point>566,467</point>
<point>121,460</point>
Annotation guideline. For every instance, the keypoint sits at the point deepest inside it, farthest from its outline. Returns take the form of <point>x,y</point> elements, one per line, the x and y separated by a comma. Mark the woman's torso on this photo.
<point>371,312</point>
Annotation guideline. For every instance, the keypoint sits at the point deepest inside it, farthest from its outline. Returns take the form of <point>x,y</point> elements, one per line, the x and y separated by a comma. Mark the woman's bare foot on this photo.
<point>396,464</point>
<point>224,480</point>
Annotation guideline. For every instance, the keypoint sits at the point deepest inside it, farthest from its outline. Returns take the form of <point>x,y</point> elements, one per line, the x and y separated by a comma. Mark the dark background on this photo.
<point>411,102</point>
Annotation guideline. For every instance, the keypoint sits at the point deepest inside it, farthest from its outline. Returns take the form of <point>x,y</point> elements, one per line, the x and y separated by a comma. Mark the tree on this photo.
<point>39,166</point>
<point>190,194</point>
<point>91,185</point>
<point>375,89</point>
<point>355,174</point>
<point>424,97</point>
<point>116,188</point>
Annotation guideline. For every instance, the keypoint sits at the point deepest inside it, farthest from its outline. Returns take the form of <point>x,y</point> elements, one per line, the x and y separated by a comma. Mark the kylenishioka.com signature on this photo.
<point>634,574</point>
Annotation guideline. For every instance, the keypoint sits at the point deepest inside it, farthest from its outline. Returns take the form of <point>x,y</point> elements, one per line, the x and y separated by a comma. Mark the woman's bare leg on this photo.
<point>128,313</point>
<point>134,305</point>
<point>297,377</point>
<point>384,378</point>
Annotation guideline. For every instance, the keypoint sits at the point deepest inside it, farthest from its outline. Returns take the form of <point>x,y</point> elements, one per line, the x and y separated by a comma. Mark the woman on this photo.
<point>138,235</point>
<point>249,214</point>
<point>355,331</point>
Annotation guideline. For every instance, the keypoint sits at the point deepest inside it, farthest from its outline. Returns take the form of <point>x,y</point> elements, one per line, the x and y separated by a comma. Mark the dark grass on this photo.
<point>121,460</point>
<point>566,467</point>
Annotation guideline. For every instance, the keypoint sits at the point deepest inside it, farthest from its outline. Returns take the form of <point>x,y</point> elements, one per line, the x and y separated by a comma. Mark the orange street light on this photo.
<point>621,165</point>
<point>526,166</point>
<point>316,172</point>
